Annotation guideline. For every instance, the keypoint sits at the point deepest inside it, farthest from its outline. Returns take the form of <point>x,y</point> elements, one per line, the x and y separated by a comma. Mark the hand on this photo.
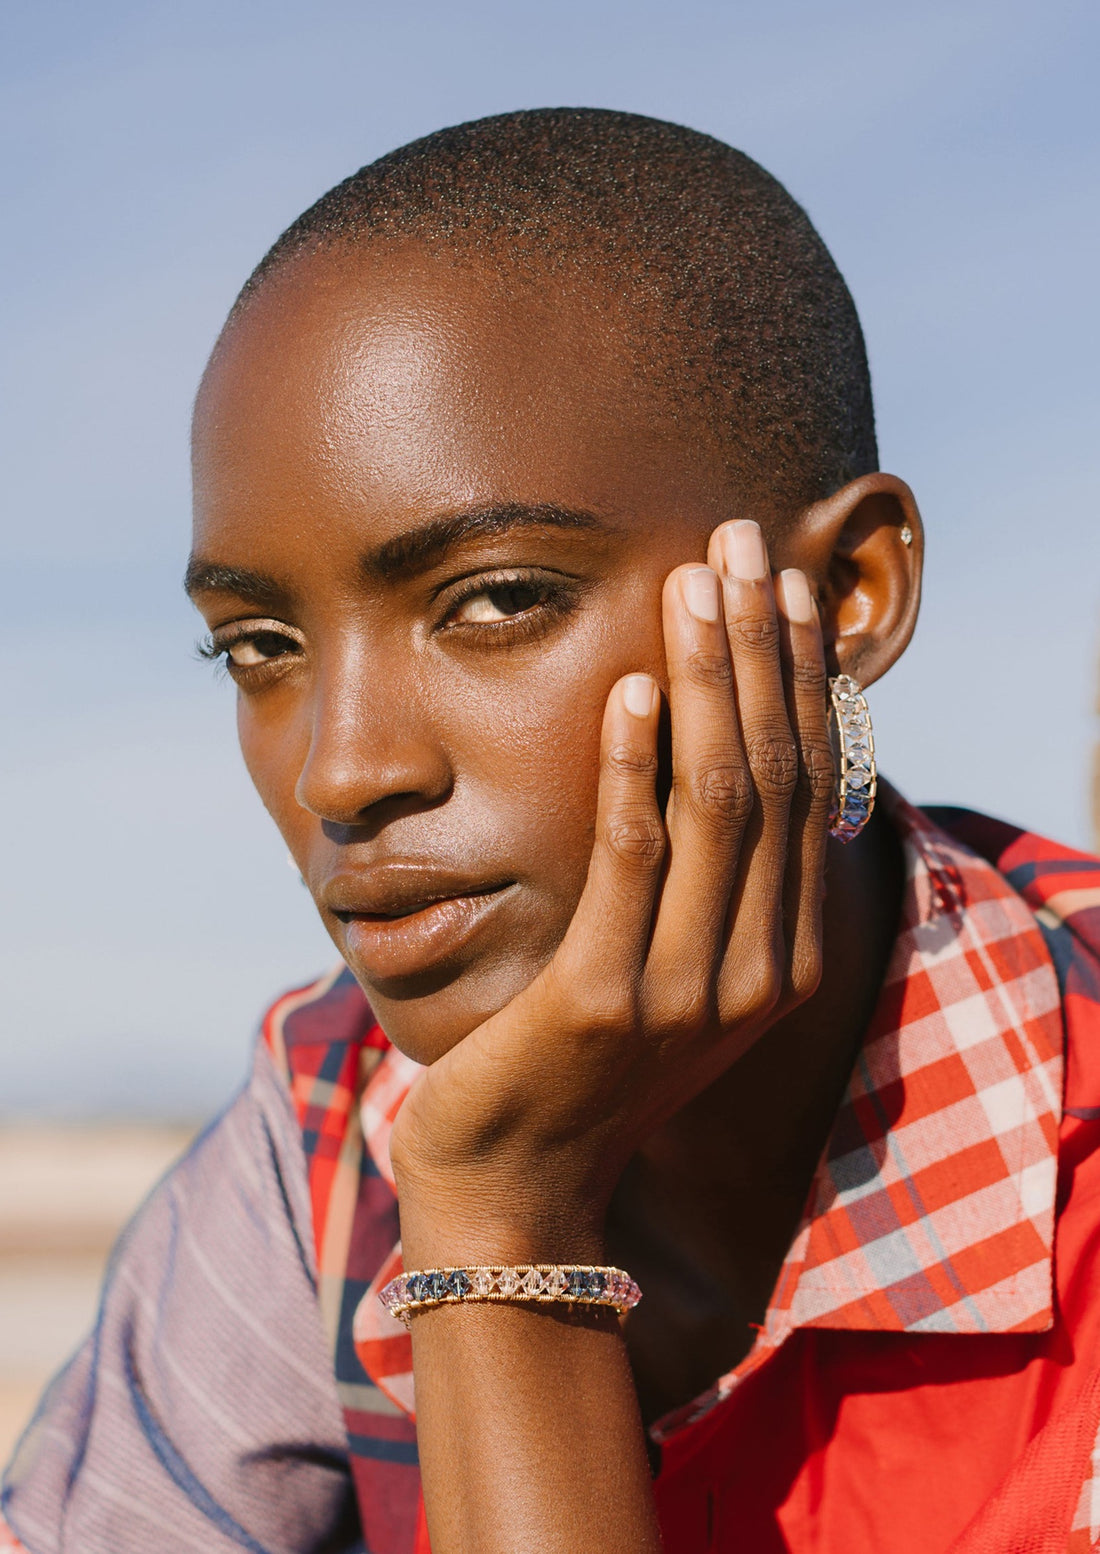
<point>694,933</point>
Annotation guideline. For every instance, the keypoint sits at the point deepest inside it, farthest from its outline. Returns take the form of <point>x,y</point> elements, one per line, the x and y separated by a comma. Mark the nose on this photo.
<point>373,747</point>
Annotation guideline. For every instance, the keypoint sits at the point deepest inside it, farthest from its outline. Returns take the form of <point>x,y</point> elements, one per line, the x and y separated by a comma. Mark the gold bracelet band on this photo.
<point>575,1284</point>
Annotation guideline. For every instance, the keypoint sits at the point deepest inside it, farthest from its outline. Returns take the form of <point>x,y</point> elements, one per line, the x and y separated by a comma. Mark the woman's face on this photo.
<point>433,517</point>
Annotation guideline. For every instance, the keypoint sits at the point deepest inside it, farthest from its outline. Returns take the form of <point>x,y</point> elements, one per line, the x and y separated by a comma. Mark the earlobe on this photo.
<point>864,547</point>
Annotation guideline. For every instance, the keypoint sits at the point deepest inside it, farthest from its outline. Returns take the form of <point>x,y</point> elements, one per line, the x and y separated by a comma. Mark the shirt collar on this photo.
<point>932,1209</point>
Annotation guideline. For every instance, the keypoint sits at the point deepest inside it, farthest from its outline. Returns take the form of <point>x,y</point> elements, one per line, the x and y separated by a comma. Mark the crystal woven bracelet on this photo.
<point>538,1282</point>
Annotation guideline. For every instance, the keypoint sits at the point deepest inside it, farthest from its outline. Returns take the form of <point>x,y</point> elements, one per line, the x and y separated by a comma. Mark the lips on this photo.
<point>403,919</point>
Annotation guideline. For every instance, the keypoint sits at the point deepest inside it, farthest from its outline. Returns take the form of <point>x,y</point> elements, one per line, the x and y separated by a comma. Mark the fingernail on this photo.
<point>743,550</point>
<point>700,587</point>
<point>638,695</point>
<point>794,596</point>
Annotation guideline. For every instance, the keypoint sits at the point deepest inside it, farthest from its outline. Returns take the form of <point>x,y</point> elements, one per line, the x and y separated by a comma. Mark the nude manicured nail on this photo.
<point>794,596</point>
<point>700,587</point>
<point>743,551</point>
<point>638,693</point>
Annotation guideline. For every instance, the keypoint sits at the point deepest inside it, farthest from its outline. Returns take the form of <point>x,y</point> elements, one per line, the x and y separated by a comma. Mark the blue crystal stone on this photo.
<point>417,1288</point>
<point>436,1285</point>
<point>458,1282</point>
<point>585,1284</point>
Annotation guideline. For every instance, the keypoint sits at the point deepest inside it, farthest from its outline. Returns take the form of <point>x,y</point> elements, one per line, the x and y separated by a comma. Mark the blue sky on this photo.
<point>947,152</point>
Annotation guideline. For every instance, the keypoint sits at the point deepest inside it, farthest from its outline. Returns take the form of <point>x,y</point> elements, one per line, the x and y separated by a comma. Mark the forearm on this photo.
<point>529,1432</point>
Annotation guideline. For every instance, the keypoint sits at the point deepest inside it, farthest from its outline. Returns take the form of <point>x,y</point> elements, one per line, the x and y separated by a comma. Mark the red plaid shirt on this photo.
<point>927,1377</point>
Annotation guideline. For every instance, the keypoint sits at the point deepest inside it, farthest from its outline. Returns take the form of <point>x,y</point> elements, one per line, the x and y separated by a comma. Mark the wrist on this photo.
<point>444,1228</point>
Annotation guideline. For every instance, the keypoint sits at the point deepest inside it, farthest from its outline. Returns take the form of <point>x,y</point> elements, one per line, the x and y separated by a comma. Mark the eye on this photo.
<point>259,647</point>
<point>498,602</point>
<point>247,648</point>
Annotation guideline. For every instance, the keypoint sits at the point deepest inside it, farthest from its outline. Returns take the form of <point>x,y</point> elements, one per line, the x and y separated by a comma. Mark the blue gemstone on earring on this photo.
<point>458,1282</point>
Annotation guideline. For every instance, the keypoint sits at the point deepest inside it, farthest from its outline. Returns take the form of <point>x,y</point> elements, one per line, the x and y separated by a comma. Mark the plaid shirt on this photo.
<point>932,1212</point>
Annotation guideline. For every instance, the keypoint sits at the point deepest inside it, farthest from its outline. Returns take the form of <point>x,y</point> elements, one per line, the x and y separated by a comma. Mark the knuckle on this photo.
<point>806,969</point>
<point>710,671</point>
<point>723,791</point>
<point>774,762</point>
<point>820,771</point>
<point>610,1010</point>
<point>689,1010</point>
<point>767,989</point>
<point>808,674</point>
<point>635,839</point>
<point>757,634</point>
<point>630,761</point>
<point>753,994</point>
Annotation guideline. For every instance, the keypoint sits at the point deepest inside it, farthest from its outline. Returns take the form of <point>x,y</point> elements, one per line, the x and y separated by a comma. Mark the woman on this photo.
<point>539,523</point>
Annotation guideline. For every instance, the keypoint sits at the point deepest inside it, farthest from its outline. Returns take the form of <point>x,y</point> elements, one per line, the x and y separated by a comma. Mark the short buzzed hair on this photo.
<point>739,302</point>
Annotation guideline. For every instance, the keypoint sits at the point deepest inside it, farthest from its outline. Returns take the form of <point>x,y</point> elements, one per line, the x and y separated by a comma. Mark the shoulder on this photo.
<point>1062,888</point>
<point>1060,884</point>
<point>208,1312</point>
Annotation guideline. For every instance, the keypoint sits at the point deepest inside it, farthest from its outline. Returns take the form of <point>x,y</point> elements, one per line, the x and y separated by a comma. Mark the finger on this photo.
<point>807,709</point>
<point>605,945</point>
<point>711,797</point>
<point>740,553</point>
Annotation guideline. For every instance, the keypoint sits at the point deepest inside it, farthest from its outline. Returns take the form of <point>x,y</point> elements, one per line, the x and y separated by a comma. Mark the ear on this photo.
<point>865,574</point>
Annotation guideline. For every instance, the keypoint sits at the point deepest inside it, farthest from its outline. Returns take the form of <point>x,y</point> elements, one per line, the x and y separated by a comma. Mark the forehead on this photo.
<point>384,383</point>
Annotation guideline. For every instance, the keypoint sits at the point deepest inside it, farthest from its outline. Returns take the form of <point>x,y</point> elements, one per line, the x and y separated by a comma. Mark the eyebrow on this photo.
<point>404,555</point>
<point>419,548</point>
<point>211,577</point>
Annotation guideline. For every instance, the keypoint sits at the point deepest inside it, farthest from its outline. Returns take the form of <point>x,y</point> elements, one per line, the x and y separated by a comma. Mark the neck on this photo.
<point>710,1206</point>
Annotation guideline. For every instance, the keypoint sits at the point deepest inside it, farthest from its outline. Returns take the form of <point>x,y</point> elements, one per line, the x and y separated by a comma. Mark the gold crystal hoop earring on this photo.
<point>854,748</point>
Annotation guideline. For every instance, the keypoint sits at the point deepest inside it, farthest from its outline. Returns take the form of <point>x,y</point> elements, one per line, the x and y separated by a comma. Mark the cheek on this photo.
<point>273,759</point>
<point>548,766</point>
<point>537,754</point>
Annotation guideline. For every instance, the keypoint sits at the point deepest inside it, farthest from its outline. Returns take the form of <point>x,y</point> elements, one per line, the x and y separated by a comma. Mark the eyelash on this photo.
<point>217,646</point>
<point>556,598</point>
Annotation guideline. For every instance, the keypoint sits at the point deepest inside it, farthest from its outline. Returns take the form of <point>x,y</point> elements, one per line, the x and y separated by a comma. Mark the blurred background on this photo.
<point>948,153</point>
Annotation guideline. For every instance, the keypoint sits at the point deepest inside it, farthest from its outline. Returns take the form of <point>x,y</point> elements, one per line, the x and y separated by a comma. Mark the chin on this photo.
<point>425,1025</point>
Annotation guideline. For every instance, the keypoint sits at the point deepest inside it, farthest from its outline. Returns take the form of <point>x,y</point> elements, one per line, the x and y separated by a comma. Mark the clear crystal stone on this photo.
<point>554,1282</point>
<point>508,1281</point>
<point>857,777</point>
<point>483,1282</point>
<point>531,1283</point>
